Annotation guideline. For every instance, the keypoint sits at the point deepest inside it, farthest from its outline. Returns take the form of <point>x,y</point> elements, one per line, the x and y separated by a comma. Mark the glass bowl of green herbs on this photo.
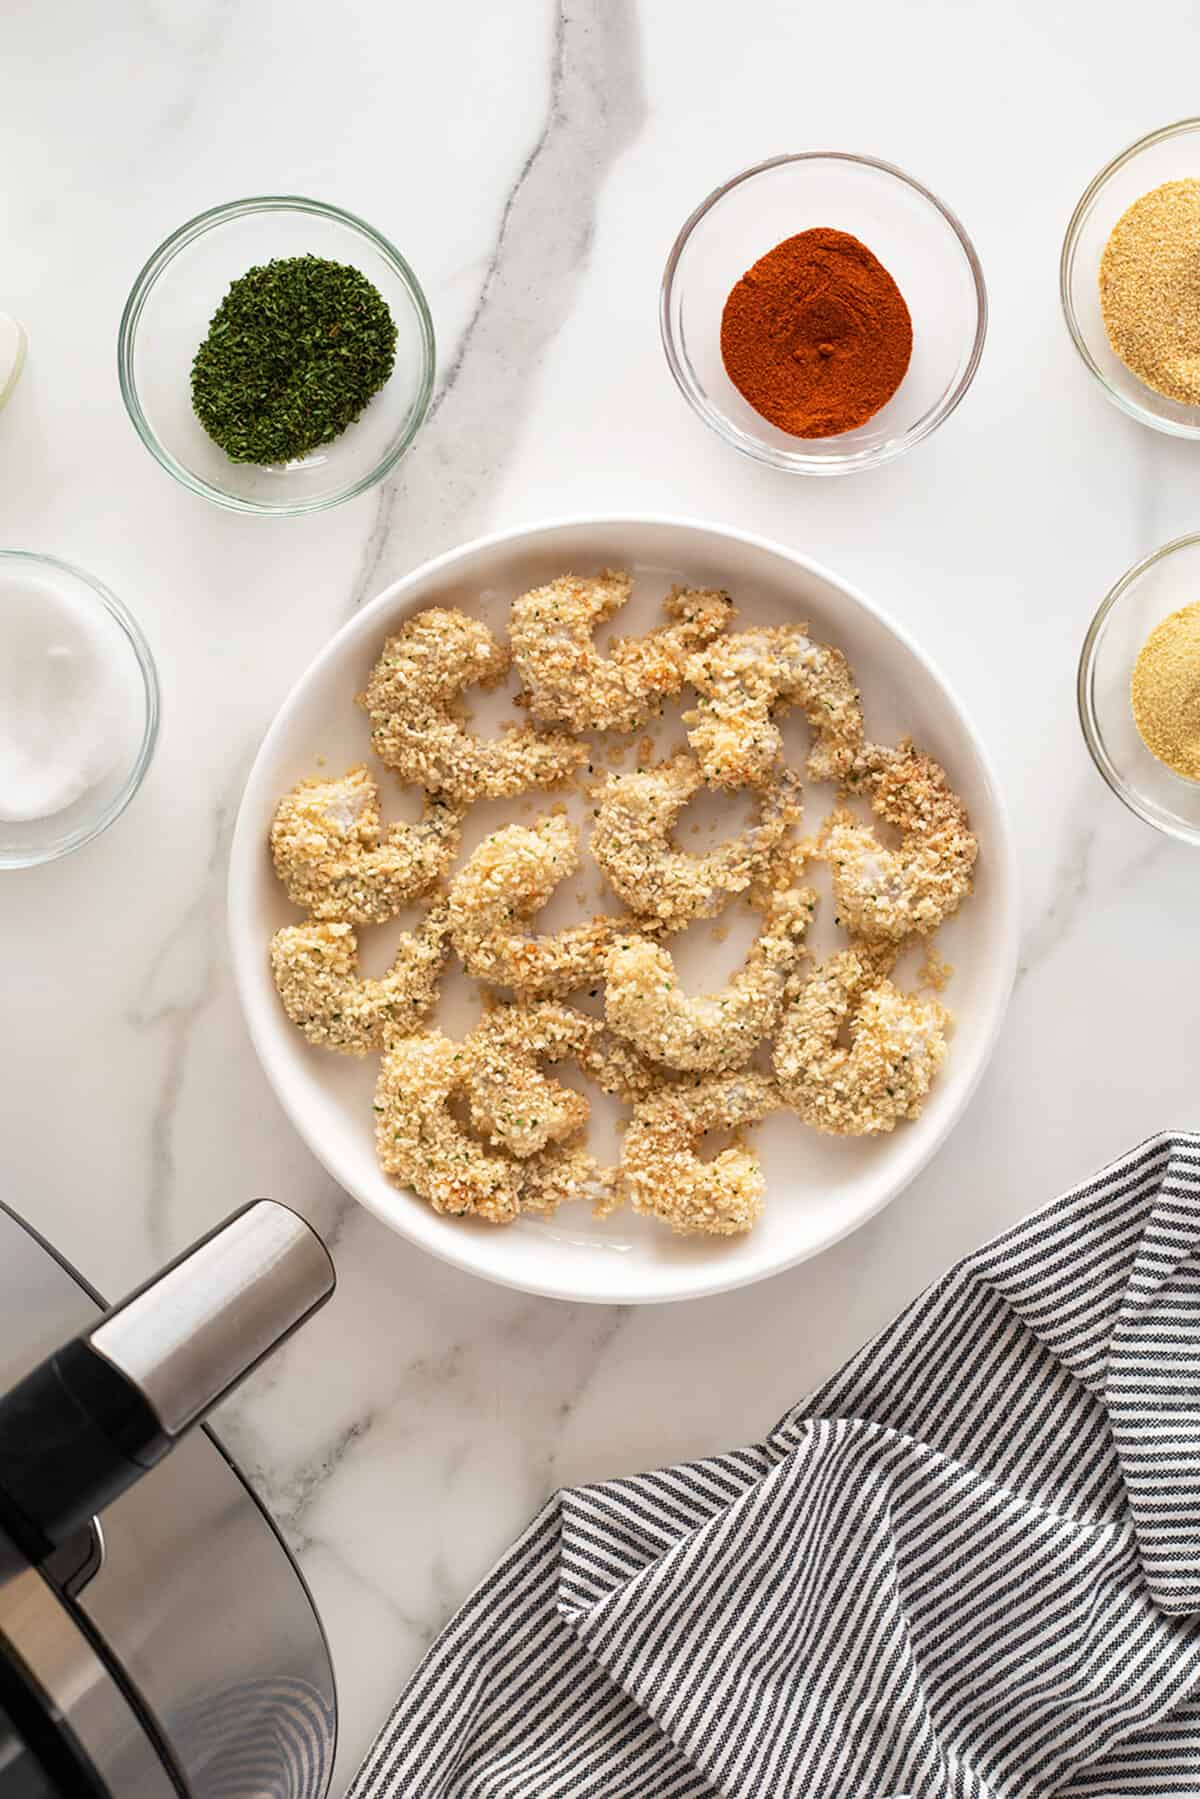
<point>276,355</point>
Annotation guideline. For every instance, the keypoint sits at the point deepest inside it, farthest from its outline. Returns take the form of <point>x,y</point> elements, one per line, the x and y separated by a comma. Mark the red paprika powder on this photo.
<point>816,336</point>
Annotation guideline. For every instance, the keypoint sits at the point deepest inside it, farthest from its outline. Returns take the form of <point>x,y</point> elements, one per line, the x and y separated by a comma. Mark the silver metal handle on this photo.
<point>193,1332</point>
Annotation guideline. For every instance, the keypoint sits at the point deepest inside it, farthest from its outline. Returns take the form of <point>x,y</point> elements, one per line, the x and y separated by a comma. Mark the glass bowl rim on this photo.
<point>134,635</point>
<point>1092,734</point>
<point>796,461</point>
<point>187,234</point>
<point>1066,263</point>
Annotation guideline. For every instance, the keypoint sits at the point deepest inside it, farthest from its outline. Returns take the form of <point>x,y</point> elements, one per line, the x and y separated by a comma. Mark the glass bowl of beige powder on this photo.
<point>1130,279</point>
<point>1139,689</point>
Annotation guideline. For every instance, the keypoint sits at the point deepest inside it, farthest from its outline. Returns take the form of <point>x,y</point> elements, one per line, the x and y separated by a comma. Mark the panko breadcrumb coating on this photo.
<point>744,679</point>
<point>336,861</point>
<point>569,682</point>
<point>661,1173</point>
<point>513,1104</point>
<point>618,1068</point>
<point>421,1144</point>
<point>897,1044</point>
<point>507,879</point>
<point>413,697</point>
<point>631,840</point>
<point>886,894</point>
<point>566,1171</point>
<point>315,968</point>
<point>707,1032</point>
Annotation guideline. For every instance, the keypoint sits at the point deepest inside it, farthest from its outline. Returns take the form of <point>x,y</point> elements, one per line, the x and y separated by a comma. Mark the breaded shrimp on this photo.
<point>631,841</point>
<point>885,894</point>
<point>315,968</point>
<point>420,1142</point>
<point>513,1104</point>
<point>413,698</point>
<point>507,879</point>
<point>709,1032</point>
<point>569,682</point>
<point>897,1044</point>
<point>742,680</point>
<point>336,861</point>
<point>662,1174</point>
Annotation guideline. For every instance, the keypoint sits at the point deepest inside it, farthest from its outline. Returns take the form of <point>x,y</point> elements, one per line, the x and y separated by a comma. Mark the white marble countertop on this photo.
<point>534,163</point>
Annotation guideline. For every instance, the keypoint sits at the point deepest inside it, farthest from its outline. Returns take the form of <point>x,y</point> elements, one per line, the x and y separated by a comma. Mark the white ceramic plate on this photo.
<point>818,1188</point>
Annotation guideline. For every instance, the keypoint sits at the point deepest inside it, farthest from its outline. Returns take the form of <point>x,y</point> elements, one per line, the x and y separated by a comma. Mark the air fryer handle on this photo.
<point>91,1419</point>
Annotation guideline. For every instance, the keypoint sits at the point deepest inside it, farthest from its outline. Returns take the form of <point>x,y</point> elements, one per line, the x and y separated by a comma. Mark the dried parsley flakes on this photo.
<point>293,354</point>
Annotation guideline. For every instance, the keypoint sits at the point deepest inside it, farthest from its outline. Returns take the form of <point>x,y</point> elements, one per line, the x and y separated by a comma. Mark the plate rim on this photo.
<point>711,1279</point>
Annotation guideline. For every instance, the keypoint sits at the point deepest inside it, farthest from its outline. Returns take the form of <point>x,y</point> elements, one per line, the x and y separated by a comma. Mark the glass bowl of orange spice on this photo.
<point>823,312</point>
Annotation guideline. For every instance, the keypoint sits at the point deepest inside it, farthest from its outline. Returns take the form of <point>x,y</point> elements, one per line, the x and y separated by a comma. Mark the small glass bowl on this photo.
<point>917,239</point>
<point>1148,593</point>
<point>166,318</point>
<point>26,843</point>
<point>1172,154</point>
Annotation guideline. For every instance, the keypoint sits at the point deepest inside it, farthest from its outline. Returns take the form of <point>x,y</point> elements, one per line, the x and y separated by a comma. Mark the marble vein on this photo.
<point>1077,884</point>
<point>292,1500</point>
<point>182,981</point>
<point>539,255</point>
<point>608,1323</point>
<point>420,1630</point>
<point>1068,895</point>
<point>293,1492</point>
<point>572,1342</point>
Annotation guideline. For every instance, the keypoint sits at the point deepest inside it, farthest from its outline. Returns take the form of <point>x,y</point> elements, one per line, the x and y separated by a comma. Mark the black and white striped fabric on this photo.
<point>967,1568</point>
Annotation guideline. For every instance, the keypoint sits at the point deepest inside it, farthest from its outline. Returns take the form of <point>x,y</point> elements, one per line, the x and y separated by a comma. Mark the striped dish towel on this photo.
<point>967,1568</point>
